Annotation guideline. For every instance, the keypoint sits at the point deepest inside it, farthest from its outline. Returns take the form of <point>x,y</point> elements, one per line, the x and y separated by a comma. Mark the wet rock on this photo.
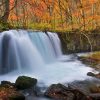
<point>83,87</point>
<point>58,91</point>
<point>61,92</point>
<point>91,74</point>
<point>86,86</point>
<point>4,83</point>
<point>94,75</point>
<point>10,93</point>
<point>24,82</point>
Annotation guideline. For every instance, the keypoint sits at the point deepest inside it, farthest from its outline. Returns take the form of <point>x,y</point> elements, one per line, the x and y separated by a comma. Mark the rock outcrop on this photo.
<point>61,92</point>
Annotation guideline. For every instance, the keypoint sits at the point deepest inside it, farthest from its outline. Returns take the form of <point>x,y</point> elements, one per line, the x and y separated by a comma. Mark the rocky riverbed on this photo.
<point>27,88</point>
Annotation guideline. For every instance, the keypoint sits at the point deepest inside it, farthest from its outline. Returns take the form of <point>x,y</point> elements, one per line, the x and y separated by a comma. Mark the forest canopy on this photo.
<point>51,14</point>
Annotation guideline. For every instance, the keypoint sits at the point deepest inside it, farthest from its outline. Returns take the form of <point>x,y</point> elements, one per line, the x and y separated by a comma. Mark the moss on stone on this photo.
<point>24,82</point>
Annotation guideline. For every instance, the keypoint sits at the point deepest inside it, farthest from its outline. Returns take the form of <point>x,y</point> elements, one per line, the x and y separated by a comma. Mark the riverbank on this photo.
<point>92,60</point>
<point>77,41</point>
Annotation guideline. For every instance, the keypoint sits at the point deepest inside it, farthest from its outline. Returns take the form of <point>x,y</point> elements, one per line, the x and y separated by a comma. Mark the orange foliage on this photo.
<point>46,10</point>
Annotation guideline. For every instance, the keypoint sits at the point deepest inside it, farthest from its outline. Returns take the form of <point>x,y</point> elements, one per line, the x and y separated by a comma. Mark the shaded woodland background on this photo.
<point>55,15</point>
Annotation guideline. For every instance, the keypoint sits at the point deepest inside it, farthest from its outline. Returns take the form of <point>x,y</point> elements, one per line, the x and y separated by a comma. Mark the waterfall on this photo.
<point>21,49</point>
<point>39,55</point>
<point>55,41</point>
<point>44,46</point>
<point>18,52</point>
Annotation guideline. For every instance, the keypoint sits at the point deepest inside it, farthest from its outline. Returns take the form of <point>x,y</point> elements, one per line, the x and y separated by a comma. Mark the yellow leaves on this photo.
<point>49,11</point>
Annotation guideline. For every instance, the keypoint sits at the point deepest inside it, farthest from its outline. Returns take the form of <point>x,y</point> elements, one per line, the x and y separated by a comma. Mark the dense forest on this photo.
<point>56,15</point>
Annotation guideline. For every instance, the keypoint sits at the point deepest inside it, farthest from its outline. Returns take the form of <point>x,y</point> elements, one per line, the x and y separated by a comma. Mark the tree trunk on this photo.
<point>4,18</point>
<point>59,3</point>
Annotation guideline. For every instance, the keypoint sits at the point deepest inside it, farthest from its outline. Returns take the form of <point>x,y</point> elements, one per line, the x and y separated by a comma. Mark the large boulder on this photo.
<point>24,82</point>
<point>61,92</point>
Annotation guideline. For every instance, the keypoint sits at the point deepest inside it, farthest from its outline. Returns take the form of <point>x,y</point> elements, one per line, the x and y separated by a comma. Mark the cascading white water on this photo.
<point>55,43</point>
<point>18,52</point>
<point>36,54</point>
<point>44,46</point>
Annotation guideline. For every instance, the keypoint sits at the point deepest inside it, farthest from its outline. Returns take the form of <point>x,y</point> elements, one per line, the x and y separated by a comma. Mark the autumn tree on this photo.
<point>6,7</point>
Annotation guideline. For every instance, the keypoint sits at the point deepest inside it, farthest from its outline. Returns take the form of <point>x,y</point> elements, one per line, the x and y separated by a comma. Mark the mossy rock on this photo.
<point>24,82</point>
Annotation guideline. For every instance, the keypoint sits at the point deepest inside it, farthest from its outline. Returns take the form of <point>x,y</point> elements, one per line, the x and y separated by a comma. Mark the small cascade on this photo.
<point>55,41</point>
<point>44,46</point>
<point>21,49</point>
